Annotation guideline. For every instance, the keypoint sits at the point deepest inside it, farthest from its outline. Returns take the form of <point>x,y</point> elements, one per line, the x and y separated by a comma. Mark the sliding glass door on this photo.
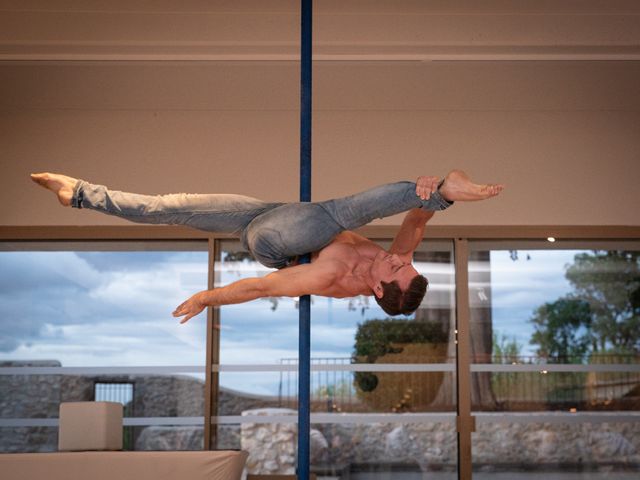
<point>85,321</point>
<point>383,389</point>
<point>555,331</point>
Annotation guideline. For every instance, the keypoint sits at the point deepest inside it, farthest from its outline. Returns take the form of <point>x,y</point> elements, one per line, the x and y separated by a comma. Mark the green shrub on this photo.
<point>376,338</point>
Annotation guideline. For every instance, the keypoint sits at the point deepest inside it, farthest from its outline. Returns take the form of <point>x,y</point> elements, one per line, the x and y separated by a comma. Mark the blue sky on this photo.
<point>114,309</point>
<point>519,287</point>
<point>99,308</point>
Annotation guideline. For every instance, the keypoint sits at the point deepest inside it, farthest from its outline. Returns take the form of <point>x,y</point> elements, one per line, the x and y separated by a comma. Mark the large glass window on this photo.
<point>555,373</point>
<point>92,321</point>
<point>555,336</point>
<point>383,390</point>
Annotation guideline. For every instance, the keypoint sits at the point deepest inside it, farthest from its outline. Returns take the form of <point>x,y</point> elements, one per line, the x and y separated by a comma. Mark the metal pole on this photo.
<point>304,347</point>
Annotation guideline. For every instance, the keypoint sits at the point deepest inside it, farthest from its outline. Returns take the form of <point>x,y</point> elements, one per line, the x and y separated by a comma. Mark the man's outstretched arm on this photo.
<point>410,234</point>
<point>311,279</point>
<point>456,186</point>
<point>412,229</point>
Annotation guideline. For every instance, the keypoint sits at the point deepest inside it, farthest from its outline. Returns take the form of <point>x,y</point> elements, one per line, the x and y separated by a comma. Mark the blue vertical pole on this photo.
<point>304,346</point>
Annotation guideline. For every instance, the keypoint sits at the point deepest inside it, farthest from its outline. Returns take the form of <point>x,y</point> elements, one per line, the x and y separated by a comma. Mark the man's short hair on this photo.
<point>394,301</point>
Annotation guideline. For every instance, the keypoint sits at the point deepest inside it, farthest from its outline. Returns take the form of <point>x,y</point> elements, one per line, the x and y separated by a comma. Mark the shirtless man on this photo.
<point>343,263</point>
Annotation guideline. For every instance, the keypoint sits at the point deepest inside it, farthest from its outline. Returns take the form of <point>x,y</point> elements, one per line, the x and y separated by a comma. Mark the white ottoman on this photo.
<point>90,426</point>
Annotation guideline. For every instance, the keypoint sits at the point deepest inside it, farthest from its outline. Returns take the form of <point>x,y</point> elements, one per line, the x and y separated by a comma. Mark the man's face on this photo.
<point>388,267</point>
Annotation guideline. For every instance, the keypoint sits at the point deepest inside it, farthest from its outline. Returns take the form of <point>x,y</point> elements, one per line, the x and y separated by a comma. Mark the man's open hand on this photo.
<point>425,186</point>
<point>190,308</point>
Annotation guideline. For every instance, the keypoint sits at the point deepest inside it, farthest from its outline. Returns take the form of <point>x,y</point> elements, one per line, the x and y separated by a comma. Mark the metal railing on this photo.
<point>601,382</point>
<point>336,390</point>
<point>333,388</point>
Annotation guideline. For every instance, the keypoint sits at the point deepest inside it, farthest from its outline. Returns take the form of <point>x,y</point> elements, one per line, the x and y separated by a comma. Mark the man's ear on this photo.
<point>378,290</point>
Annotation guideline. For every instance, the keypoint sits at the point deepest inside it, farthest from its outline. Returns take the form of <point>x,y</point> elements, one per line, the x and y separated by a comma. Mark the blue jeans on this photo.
<point>274,233</point>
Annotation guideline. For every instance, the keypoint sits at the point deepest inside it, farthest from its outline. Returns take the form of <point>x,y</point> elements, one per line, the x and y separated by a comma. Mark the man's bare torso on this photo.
<point>345,258</point>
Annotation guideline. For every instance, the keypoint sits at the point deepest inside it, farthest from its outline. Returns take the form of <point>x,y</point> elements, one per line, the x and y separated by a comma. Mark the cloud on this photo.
<point>117,344</point>
<point>334,341</point>
<point>114,309</point>
<point>43,271</point>
<point>519,287</point>
<point>63,289</point>
<point>131,261</point>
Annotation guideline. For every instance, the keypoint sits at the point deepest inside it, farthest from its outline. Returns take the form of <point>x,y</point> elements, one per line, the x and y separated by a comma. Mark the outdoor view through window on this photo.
<point>555,343</point>
<point>94,311</point>
<point>555,334</point>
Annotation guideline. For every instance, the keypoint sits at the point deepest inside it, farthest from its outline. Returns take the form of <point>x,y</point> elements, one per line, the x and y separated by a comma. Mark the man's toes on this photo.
<point>39,178</point>
<point>496,189</point>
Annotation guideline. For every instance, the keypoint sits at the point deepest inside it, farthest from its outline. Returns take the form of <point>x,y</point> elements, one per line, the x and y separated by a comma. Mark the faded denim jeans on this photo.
<point>274,233</point>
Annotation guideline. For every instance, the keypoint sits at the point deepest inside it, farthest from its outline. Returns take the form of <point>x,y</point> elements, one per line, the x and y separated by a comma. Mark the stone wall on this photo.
<point>39,396</point>
<point>170,438</point>
<point>564,443</point>
<point>433,446</point>
<point>272,447</point>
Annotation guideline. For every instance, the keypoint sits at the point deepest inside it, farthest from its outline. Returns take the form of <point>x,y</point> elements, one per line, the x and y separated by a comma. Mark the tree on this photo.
<point>562,330</point>
<point>506,350</point>
<point>609,281</point>
<point>601,315</point>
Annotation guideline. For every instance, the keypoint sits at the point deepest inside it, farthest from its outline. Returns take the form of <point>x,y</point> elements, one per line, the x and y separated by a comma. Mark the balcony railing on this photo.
<point>603,382</point>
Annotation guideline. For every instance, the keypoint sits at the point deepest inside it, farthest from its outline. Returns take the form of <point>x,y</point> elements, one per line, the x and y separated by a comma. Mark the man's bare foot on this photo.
<point>61,185</point>
<point>458,187</point>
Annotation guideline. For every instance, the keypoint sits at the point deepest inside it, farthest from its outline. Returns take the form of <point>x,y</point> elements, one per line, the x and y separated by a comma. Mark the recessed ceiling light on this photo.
<point>551,239</point>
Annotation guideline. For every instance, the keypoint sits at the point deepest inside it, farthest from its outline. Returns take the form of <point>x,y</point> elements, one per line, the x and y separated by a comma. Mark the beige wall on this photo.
<point>564,135</point>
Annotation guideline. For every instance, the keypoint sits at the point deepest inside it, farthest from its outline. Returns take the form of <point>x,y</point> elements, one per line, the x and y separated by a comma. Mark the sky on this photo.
<point>114,309</point>
<point>519,286</point>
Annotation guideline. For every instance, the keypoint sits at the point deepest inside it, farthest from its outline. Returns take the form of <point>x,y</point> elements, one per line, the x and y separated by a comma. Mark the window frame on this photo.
<point>462,237</point>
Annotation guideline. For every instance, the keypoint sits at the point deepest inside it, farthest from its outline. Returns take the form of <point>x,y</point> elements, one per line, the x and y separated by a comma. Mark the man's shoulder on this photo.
<point>345,240</point>
<point>349,236</point>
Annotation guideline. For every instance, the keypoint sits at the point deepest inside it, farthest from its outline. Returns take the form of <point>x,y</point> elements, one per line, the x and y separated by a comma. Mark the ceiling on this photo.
<point>353,31</point>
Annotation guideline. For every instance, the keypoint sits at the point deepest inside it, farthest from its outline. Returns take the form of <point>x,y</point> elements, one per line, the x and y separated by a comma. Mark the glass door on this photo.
<point>555,345</point>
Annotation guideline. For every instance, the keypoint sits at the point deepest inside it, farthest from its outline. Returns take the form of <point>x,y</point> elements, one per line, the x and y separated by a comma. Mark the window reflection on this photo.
<point>87,305</point>
<point>344,333</point>
<point>556,333</point>
<point>535,307</point>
